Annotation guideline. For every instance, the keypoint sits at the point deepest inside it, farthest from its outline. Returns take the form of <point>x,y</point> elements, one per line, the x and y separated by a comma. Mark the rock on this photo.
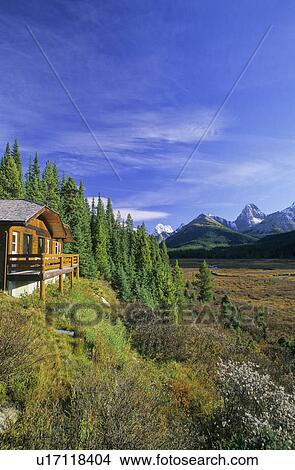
<point>65,332</point>
<point>8,416</point>
<point>105,302</point>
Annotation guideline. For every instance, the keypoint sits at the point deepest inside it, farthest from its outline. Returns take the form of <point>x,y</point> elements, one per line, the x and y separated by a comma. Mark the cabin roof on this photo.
<point>21,211</point>
<point>18,210</point>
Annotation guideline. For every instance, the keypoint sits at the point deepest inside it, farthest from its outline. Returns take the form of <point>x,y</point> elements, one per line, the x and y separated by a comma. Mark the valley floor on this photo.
<point>261,283</point>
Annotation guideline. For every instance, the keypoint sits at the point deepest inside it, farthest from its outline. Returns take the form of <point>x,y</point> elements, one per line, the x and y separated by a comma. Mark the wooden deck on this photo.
<point>42,267</point>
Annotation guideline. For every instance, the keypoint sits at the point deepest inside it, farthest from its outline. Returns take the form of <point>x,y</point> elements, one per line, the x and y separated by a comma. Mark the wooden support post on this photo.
<point>42,280</point>
<point>61,277</point>
<point>72,271</point>
<point>77,268</point>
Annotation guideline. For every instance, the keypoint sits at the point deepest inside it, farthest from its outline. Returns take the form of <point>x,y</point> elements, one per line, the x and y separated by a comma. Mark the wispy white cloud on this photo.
<point>138,215</point>
<point>133,140</point>
<point>235,174</point>
<point>209,177</point>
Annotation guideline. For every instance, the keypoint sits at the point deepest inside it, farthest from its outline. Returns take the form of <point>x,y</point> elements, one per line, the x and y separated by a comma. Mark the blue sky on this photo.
<point>148,76</point>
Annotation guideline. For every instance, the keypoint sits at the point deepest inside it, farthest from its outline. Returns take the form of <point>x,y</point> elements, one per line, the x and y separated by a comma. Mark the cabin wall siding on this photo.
<point>33,230</point>
<point>2,256</point>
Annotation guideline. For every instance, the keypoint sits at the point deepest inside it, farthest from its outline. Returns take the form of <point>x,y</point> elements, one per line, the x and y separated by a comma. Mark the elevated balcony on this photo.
<point>41,267</point>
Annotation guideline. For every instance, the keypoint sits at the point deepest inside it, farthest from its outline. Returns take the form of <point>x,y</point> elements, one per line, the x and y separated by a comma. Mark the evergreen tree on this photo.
<point>142,253</point>
<point>110,219</point>
<point>122,284</point>
<point>75,212</point>
<point>130,254</point>
<point>261,321</point>
<point>29,181</point>
<point>204,282</point>
<point>93,225</point>
<point>178,280</point>
<point>70,206</point>
<point>226,311</point>
<point>144,283</point>
<point>158,274</point>
<point>18,160</point>
<point>115,245</point>
<point>7,151</point>
<point>189,291</point>
<point>50,186</point>
<point>129,228</point>
<point>168,285</point>
<point>10,181</point>
<point>34,185</point>
<point>101,250</point>
<point>85,242</point>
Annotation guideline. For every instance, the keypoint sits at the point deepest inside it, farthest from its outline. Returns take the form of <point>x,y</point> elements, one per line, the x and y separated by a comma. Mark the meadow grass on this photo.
<point>268,284</point>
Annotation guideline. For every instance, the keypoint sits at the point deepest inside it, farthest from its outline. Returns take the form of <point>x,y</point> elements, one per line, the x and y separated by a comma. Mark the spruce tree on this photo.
<point>18,160</point>
<point>50,186</point>
<point>143,264</point>
<point>129,243</point>
<point>226,311</point>
<point>29,181</point>
<point>34,185</point>
<point>158,274</point>
<point>142,253</point>
<point>101,250</point>
<point>70,207</point>
<point>178,280</point>
<point>204,282</point>
<point>75,212</point>
<point>168,285</point>
<point>93,225</point>
<point>115,248</point>
<point>122,284</point>
<point>10,181</point>
<point>110,219</point>
<point>129,231</point>
<point>88,268</point>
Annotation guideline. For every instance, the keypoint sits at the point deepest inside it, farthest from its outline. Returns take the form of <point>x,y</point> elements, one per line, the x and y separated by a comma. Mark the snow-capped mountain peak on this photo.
<point>290,211</point>
<point>225,222</point>
<point>160,228</point>
<point>250,216</point>
<point>280,221</point>
<point>162,232</point>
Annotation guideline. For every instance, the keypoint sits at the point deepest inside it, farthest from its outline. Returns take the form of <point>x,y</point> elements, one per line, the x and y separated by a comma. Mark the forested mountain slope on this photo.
<point>272,246</point>
<point>205,232</point>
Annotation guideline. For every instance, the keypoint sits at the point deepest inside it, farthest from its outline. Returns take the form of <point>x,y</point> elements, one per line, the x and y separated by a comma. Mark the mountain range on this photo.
<point>208,230</point>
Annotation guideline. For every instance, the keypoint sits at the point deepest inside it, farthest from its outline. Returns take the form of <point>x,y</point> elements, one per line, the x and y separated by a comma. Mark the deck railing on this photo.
<point>43,267</point>
<point>40,262</point>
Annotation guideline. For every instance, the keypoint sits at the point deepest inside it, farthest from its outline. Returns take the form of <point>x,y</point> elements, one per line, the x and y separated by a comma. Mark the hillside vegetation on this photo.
<point>132,378</point>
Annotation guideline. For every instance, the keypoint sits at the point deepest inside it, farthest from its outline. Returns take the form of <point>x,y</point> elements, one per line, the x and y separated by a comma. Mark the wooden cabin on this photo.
<point>32,238</point>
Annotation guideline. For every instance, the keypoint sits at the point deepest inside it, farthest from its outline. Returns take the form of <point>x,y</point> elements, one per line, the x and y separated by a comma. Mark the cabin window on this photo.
<point>41,245</point>
<point>27,244</point>
<point>57,248</point>
<point>15,243</point>
<point>47,245</point>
